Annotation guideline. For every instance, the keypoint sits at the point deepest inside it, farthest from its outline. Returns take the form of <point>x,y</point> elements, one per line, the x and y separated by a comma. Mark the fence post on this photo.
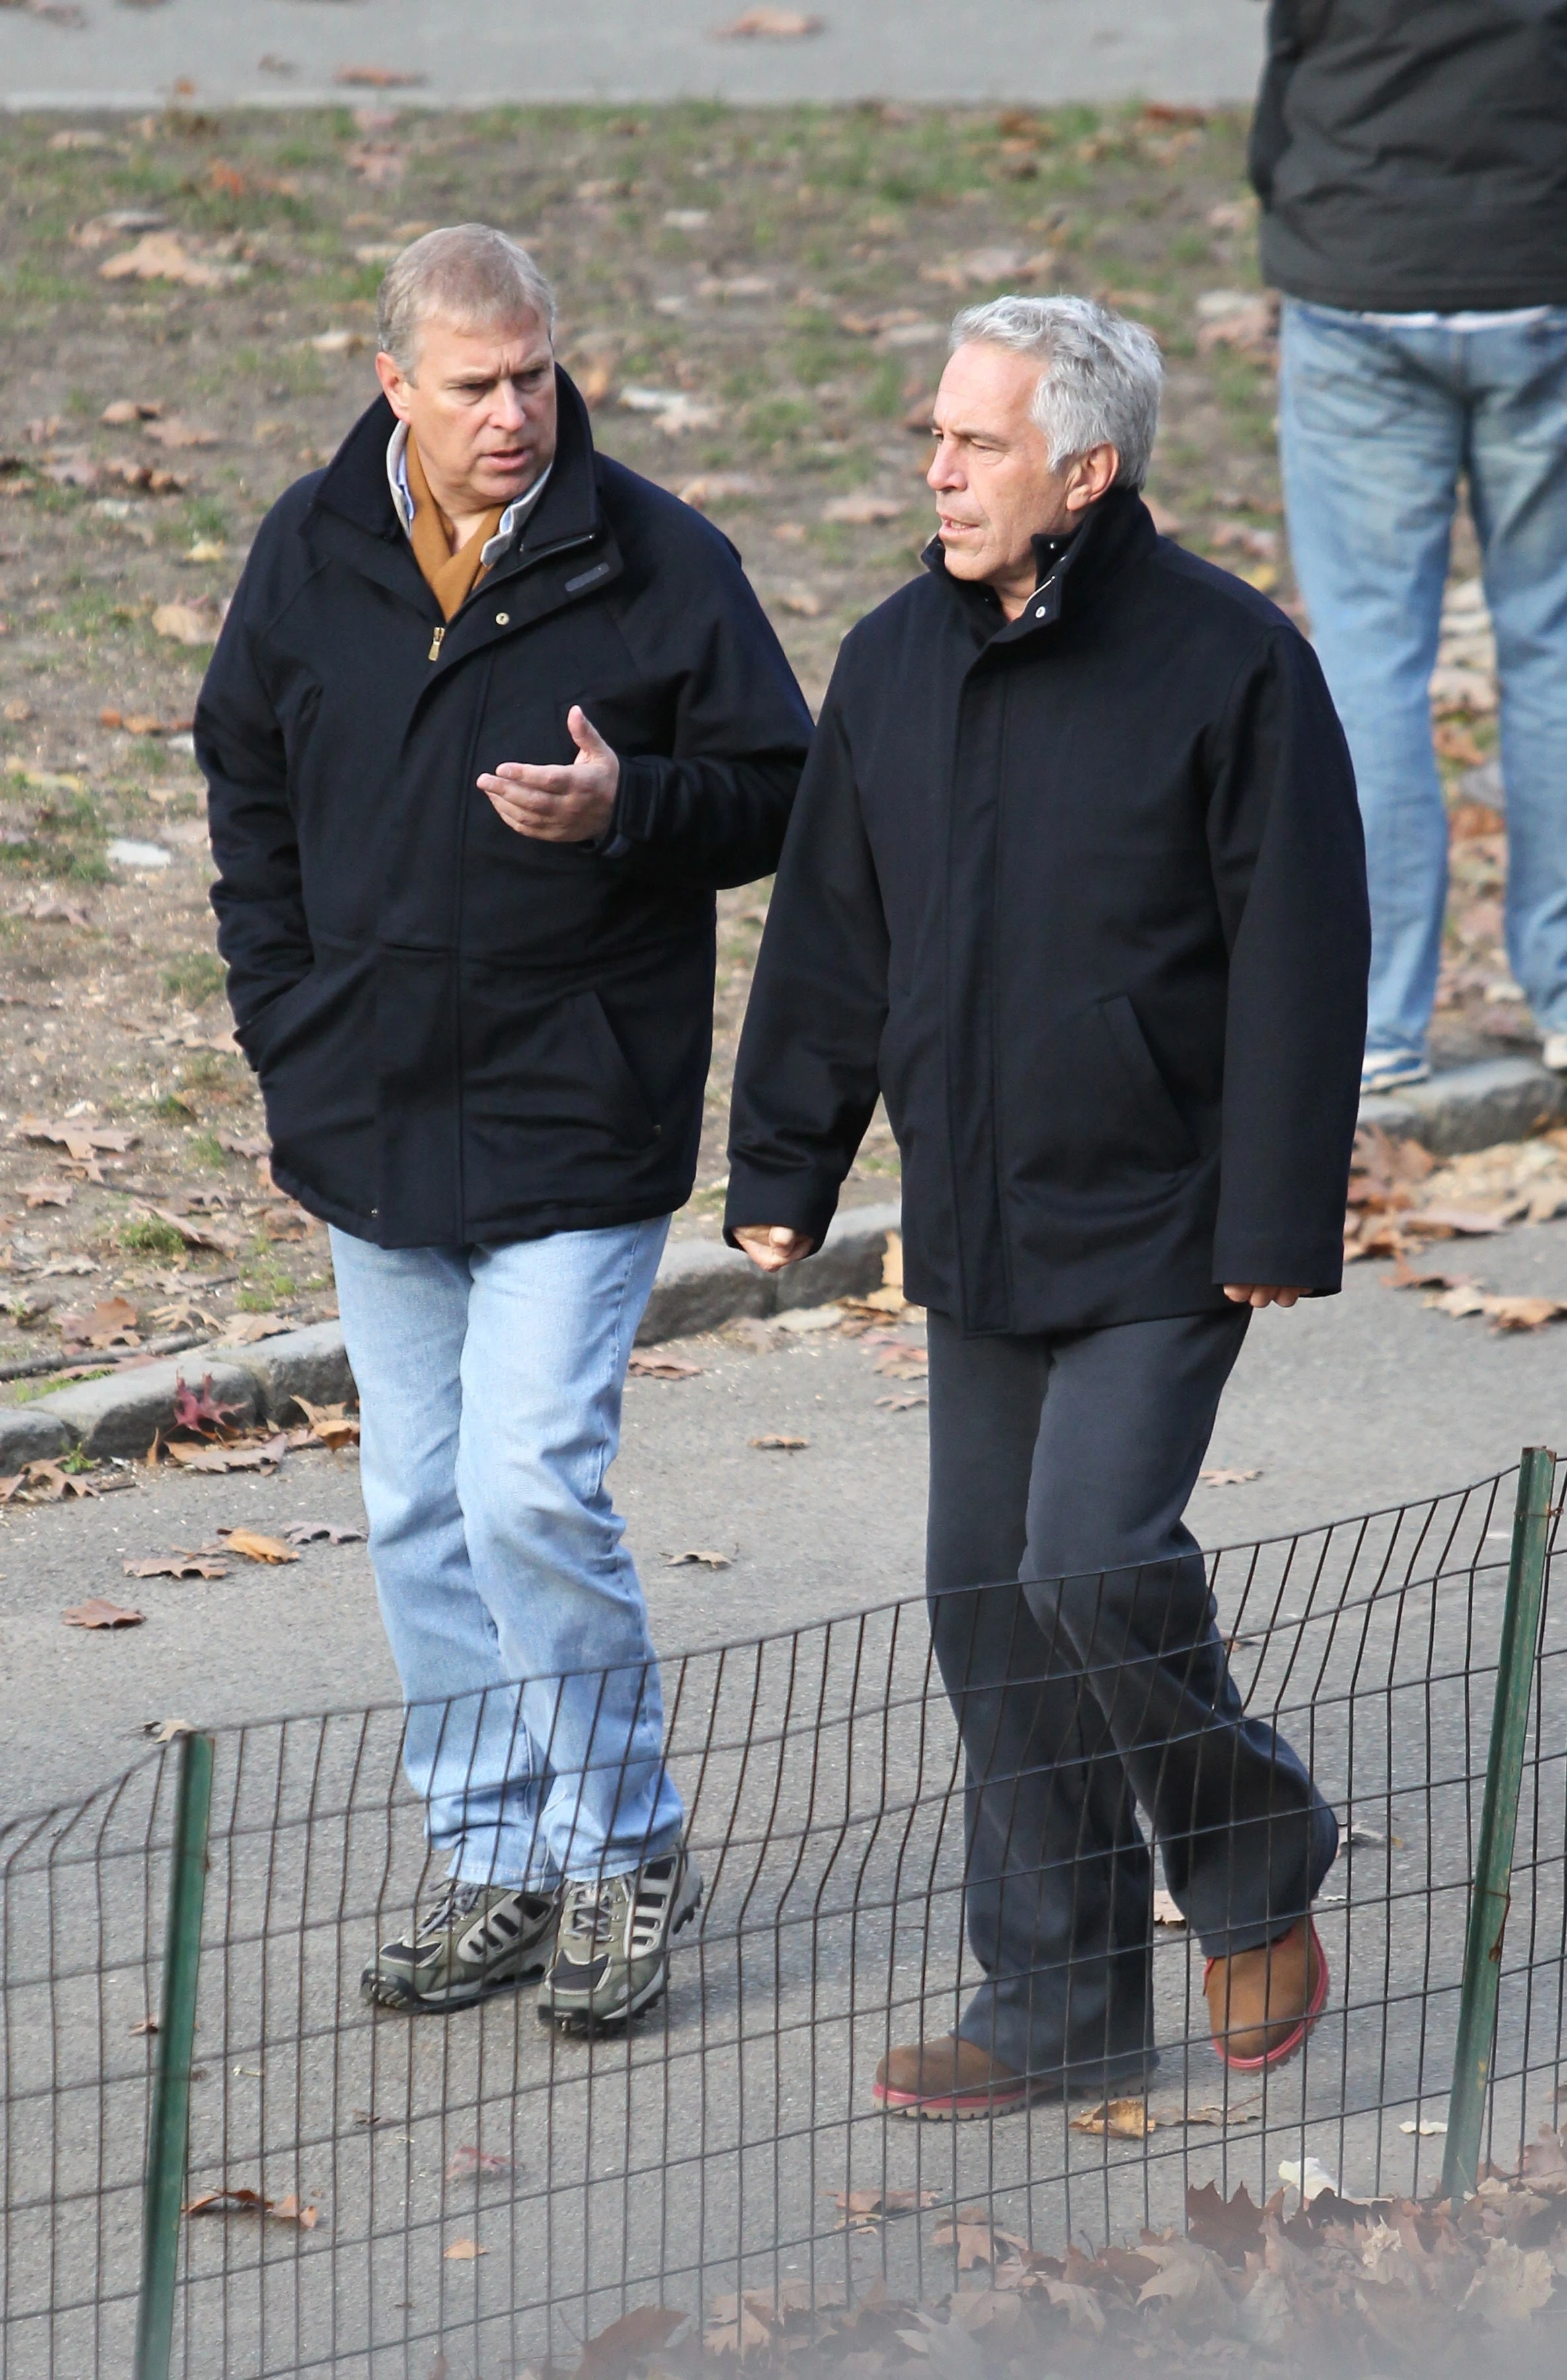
<point>1492,1890</point>
<point>164,2191</point>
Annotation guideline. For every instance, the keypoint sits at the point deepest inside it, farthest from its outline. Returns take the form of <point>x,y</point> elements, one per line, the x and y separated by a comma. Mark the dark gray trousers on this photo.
<point>1097,1685</point>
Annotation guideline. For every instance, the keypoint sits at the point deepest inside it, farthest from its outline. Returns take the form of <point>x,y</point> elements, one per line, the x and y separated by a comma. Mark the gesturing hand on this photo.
<point>560,804</point>
<point>1246,1293</point>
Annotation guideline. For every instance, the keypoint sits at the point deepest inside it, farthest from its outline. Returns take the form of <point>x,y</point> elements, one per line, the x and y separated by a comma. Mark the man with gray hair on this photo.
<point>490,719</point>
<point>1075,881</point>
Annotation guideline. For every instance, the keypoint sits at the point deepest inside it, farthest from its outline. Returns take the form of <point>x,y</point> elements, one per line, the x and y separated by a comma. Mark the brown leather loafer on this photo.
<point>1262,2003</point>
<point>951,2081</point>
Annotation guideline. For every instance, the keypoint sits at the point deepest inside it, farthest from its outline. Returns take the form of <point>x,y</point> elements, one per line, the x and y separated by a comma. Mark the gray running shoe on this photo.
<point>613,1953</point>
<point>477,1938</point>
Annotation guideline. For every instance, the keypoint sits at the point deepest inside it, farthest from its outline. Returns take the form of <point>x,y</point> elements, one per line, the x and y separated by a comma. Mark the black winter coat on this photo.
<point>1410,155</point>
<point>464,1035</point>
<point>1084,896</point>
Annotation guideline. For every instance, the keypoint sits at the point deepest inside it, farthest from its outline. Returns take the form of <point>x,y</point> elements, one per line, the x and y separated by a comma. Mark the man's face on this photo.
<point>991,474</point>
<point>481,408</point>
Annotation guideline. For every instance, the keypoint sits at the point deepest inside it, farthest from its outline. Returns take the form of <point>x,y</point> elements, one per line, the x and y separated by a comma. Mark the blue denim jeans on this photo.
<point>489,1388</point>
<point>1377,426</point>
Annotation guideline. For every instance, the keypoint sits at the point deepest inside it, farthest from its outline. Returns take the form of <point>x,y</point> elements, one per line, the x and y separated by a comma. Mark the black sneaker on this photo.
<point>477,1938</point>
<point>612,1952</point>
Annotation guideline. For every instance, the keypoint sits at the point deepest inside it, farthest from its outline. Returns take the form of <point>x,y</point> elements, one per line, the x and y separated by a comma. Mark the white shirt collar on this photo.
<point>510,526</point>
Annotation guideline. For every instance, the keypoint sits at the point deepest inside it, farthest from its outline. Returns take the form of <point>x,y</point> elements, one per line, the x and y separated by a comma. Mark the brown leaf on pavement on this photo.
<point>697,1555</point>
<point>49,1194</point>
<point>462,2252</point>
<point>175,1566</point>
<point>770,25</point>
<point>1229,2226</point>
<point>310,1532</point>
<point>468,2163</point>
<point>145,2025</point>
<point>976,2238</point>
<point>47,1482</point>
<point>261,1453</point>
<point>99,1613</point>
<point>251,2201</point>
<point>1222,1478</point>
<point>246,1144</point>
<point>778,1442</point>
<point>1121,2119</point>
<point>630,2340</point>
<point>377,79</point>
<point>256,1547</point>
<point>658,1364</point>
<point>334,1426</point>
<point>162,256</point>
<point>864,2210</point>
<point>127,409</point>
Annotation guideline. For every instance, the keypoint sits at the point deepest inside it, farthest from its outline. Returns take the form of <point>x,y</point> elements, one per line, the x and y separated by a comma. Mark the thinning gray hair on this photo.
<point>469,273</point>
<point>1099,375</point>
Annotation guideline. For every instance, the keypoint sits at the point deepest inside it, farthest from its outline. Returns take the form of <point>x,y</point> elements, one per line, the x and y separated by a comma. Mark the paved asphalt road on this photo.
<point>1343,1406</point>
<point>474,53</point>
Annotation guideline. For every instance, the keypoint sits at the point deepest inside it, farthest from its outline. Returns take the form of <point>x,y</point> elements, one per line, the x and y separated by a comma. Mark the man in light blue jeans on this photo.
<point>1380,418</point>
<point>490,720</point>
<point>1412,171</point>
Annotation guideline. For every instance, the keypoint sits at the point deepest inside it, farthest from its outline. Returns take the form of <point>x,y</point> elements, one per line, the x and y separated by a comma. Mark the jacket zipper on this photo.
<point>566,545</point>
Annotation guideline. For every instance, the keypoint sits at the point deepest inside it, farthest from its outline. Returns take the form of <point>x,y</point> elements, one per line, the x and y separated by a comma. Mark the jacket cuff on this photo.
<point>1316,1267</point>
<point>633,819</point>
<point>799,1202</point>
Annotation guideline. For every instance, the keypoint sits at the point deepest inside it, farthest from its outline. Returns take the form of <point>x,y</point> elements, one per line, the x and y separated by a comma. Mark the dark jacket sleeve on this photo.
<point>806,1076</point>
<point>263,933</point>
<point>715,810</point>
<point>1289,866</point>
<point>1292,27</point>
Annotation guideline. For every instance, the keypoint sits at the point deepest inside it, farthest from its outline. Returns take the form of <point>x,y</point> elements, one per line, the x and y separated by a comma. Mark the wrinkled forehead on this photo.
<point>987,387</point>
<point>451,348</point>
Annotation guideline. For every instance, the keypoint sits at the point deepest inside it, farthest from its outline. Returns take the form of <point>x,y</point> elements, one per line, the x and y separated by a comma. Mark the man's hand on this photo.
<point>1249,1293</point>
<point>558,805</point>
<point>773,1246</point>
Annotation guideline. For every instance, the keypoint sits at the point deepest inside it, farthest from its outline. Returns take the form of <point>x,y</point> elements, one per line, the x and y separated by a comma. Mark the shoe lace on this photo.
<point>589,1914</point>
<point>456,1901</point>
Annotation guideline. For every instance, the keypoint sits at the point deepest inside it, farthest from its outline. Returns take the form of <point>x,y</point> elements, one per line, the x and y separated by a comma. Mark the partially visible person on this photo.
<point>1412,167</point>
<point>489,720</point>
<point>1074,880</point>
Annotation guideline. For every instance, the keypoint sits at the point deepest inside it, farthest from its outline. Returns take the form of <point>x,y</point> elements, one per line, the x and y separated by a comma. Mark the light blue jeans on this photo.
<point>1377,427</point>
<point>489,1388</point>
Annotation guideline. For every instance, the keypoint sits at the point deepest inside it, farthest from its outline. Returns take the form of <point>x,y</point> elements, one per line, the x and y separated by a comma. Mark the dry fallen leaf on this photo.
<point>1166,1910</point>
<point>1122,2119</point>
<point>176,432</point>
<point>98,1613</point>
<point>187,623</point>
<point>658,1364</point>
<point>377,79</point>
<point>779,1442</point>
<point>698,1554</point>
<point>630,2340</point>
<point>263,1456</point>
<point>1226,1478</point>
<point>863,2210</point>
<point>309,1533</point>
<point>462,2252</point>
<point>467,2164</point>
<point>175,1566</point>
<point>770,25</point>
<point>162,256</point>
<point>976,2238</point>
<point>145,2025</point>
<point>257,1548</point>
<point>334,1426</point>
<point>164,1730</point>
<point>250,2202</point>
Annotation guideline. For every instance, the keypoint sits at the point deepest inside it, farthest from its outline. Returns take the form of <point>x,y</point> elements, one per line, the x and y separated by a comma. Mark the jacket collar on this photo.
<point>354,490</point>
<point>1072,571</point>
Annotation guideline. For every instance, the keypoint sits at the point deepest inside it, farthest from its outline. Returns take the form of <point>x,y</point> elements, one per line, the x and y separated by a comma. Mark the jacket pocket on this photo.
<point>1091,1108</point>
<point>264,1034</point>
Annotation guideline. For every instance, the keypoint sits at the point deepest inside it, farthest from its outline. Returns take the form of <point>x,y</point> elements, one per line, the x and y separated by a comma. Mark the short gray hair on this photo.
<point>1100,377</point>
<point>471,273</point>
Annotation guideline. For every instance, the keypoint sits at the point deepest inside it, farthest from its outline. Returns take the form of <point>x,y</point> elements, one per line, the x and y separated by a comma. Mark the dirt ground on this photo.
<point>756,304</point>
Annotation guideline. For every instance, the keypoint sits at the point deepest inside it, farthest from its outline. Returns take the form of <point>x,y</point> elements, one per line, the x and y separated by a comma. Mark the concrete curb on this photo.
<point>701,1284</point>
<point>1473,1107</point>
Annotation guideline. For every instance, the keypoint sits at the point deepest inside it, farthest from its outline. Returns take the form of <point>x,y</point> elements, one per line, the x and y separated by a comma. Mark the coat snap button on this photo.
<point>503,619</point>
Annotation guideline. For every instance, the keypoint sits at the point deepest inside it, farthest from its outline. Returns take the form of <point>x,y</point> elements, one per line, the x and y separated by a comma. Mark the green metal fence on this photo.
<point>216,2160</point>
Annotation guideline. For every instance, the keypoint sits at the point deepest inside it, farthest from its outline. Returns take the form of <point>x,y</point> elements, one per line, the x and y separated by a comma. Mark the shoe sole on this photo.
<point>384,1991</point>
<point>1294,2040</point>
<point>584,2020</point>
<point>956,2108</point>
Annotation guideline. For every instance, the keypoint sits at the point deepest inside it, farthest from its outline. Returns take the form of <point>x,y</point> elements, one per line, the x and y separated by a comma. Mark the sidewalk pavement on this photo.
<point>1343,1405</point>
<point>482,52</point>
